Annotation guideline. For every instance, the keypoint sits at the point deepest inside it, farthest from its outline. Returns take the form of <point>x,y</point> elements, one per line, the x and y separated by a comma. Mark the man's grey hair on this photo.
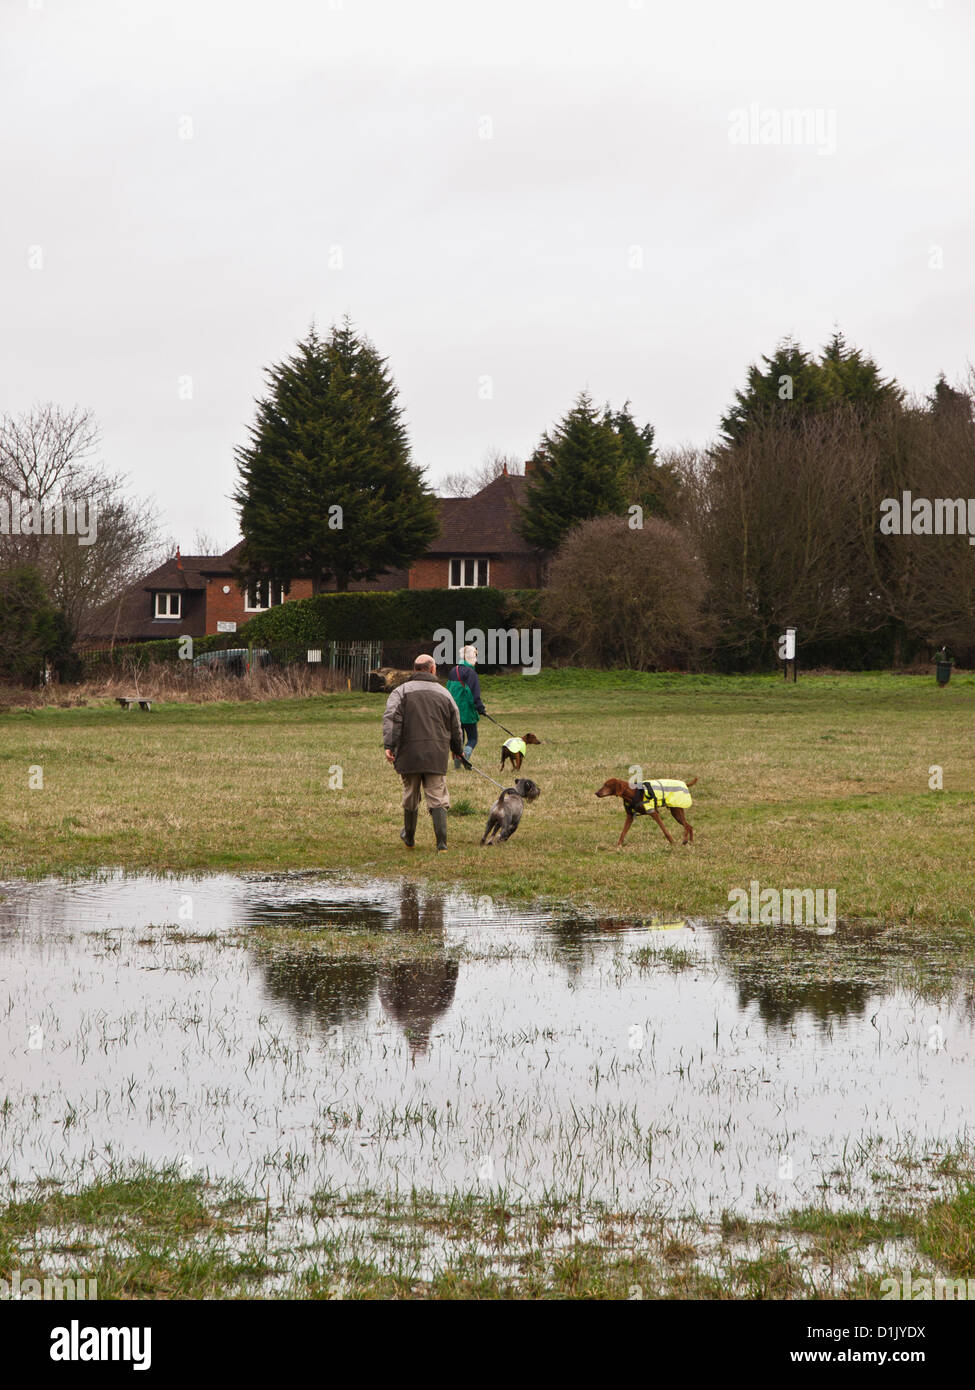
<point>425,663</point>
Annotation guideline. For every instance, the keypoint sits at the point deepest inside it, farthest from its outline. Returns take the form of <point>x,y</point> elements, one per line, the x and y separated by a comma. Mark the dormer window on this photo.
<point>169,605</point>
<point>262,594</point>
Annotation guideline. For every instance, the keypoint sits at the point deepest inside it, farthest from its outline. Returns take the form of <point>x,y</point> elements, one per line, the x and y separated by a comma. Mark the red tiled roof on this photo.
<point>485,524</point>
<point>184,573</point>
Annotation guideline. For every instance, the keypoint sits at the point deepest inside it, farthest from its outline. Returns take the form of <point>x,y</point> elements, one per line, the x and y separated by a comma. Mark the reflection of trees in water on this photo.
<point>580,941</point>
<point>331,992</point>
<point>325,992</point>
<point>763,963</point>
<point>781,1004</point>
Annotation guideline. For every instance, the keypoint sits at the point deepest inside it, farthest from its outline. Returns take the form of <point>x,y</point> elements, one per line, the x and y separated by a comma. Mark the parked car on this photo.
<point>233,661</point>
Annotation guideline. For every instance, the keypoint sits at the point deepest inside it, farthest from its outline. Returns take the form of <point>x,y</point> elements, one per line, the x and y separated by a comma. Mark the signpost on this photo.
<point>787,653</point>
<point>226,627</point>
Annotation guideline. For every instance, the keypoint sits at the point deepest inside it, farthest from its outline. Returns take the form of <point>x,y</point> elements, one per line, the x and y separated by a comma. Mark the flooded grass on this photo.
<point>157,1234</point>
<point>298,1085</point>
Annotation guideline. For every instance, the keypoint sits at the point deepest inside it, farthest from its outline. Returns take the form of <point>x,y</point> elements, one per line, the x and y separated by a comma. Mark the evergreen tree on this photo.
<point>849,377</point>
<point>32,630</point>
<point>946,401</point>
<point>576,473</point>
<point>789,381</point>
<point>792,384</point>
<point>645,480</point>
<point>326,486</point>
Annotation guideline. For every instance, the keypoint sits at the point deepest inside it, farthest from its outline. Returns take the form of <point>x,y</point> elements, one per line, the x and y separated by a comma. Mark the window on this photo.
<point>262,594</point>
<point>469,574</point>
<point>169,605</point>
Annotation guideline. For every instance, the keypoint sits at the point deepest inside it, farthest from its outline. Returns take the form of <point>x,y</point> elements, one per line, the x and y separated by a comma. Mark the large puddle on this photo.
<point>696,1067</point>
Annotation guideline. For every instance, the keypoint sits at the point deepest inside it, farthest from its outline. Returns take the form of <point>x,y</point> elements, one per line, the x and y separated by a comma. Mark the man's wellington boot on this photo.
<point>408,833</point>
<point>439,818</point>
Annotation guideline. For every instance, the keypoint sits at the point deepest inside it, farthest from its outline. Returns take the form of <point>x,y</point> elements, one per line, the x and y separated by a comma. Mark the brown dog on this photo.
<point>647,798</point>
<point>515,748</point>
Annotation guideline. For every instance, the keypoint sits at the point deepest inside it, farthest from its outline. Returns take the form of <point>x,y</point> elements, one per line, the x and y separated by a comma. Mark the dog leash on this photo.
<point>500,726</point>
<point>472,768</point>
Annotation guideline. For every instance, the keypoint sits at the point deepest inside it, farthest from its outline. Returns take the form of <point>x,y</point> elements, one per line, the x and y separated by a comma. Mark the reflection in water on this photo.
<point>787,973</point>
<point>334,992</point>
<point>569,1050</point>
<point>780,1005</point>
<point>328,993</point>
<point>416,994</point>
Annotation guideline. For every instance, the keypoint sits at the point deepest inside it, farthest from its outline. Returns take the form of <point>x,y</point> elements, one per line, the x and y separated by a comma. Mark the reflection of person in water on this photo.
<point>334,991</point>
<point>417,993</point>
<point>420,911</point>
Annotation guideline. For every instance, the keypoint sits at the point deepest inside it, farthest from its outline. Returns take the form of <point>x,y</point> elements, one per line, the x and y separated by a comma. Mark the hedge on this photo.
<point>396,615</point>
<point>393,615</point>
<point>162,649</point>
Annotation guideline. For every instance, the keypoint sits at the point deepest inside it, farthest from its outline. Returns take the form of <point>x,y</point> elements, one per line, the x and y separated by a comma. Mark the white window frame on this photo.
<point>169,595</point>
<point>463,561</point>
<point>274,586</point>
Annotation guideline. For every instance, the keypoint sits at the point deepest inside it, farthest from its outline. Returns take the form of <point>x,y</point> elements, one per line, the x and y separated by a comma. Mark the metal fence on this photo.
<point>352,661</point>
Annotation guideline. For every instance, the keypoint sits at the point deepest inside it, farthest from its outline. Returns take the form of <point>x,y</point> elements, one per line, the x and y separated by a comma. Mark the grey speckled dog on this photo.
<point>506,812</point>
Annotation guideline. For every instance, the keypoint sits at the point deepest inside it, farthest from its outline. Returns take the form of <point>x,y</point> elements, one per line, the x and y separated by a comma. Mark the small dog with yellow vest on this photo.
<point>649,799</point>
<point>515,749</point>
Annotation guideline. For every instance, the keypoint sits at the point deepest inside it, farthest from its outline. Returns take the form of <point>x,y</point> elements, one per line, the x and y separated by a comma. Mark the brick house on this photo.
<point>196,595</point>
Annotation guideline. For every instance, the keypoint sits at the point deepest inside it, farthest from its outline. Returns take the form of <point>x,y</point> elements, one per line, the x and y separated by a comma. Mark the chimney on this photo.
<point>179,562</point>
<point>528,464</point>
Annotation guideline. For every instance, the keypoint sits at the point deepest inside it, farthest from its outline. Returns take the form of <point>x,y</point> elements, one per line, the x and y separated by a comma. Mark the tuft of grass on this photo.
<point>345,943</point>
<point>948,1232</point>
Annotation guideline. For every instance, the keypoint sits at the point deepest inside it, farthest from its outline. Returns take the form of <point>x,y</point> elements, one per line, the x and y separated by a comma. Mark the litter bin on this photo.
<point>942,666</point>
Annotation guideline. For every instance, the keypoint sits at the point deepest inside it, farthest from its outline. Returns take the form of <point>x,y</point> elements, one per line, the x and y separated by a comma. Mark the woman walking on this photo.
<point>464,685</point>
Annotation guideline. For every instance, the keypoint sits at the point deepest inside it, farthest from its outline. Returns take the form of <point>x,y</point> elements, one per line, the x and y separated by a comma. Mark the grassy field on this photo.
<point>820,785</point>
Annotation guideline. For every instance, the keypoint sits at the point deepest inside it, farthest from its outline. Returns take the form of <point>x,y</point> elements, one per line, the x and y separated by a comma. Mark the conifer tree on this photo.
<point>327,489</point>
<point>576,473</point>
<point>646,481</point>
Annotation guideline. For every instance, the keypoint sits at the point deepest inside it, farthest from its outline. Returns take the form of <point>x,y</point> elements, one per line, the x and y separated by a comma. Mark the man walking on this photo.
<point>421,726</point>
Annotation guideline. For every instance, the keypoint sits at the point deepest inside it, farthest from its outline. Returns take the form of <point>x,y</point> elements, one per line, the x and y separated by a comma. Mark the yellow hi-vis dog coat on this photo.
<point>516,745</point>
<point>656,794</point>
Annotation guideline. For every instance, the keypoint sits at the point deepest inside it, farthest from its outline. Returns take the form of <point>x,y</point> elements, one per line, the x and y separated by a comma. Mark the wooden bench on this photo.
<point>127,701</point>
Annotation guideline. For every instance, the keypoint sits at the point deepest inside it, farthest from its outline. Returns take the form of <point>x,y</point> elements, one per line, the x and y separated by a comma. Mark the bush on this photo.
<point>32,631</point>
<point>140,655</point>
<point>394,615</point>
<point>618,597</point>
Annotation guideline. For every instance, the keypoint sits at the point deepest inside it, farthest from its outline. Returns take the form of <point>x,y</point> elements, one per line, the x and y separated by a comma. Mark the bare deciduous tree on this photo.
<point>467,484</point>
<point>206,544</point>
<point>48,459</point>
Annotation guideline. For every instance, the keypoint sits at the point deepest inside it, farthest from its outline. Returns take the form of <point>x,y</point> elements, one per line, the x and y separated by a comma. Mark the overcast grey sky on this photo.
<point>514,200</point>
